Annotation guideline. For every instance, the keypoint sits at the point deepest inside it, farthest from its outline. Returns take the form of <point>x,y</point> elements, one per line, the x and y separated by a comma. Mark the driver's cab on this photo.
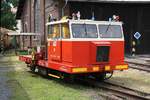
<point>83,29</point>
<point>67,37</point>
<point>88,29</point>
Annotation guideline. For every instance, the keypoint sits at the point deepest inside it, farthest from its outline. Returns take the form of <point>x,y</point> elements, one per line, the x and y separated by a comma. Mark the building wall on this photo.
<point>54,7</point>
<point>25,19</point>
<point>32,15</point>
<point>35,16</point>
<point>51,6</point>
<point>134,16</point>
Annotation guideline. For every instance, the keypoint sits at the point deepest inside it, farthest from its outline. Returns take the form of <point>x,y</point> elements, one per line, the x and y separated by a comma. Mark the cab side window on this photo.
<point>65,31</point>
<point>50,31</point>
<point>54,31</point>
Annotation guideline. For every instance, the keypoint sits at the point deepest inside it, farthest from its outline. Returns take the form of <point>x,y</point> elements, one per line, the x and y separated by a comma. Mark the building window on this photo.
<point>37,16</point>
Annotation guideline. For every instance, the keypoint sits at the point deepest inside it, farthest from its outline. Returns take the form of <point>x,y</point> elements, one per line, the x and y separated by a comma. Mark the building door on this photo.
<point>144,29</point>
<point>135,18</point>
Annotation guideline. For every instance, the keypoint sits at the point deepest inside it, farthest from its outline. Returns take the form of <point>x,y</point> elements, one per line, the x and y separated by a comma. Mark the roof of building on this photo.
<point>5,31</point>
<point>23,34</point>
<point>21,3</point>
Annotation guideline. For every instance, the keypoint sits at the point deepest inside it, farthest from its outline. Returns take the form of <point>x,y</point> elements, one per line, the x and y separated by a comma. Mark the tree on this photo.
<point>7,17</point>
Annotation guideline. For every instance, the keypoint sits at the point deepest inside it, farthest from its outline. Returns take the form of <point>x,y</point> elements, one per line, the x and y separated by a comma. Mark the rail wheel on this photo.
<point>68,78</point>
<point>103,76</point>
<point>100,76</point>
<point>32,68</point>
<point>108,75</point>
<point>42,71</point>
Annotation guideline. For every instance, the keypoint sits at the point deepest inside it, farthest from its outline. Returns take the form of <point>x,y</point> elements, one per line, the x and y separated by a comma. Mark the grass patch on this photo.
<point>18,92</point>
<point>28,86</point>
<point>31,86</point>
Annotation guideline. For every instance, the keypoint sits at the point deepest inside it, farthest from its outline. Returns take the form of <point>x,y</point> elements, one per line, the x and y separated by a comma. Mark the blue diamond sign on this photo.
<point>137,35</point>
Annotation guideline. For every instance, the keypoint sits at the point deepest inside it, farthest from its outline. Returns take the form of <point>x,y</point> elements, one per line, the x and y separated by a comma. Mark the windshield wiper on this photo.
<point>85,30</point>
<point>107,28</point>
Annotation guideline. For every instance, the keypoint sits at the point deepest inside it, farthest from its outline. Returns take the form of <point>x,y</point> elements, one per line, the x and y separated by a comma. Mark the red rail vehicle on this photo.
<point>80,48</point>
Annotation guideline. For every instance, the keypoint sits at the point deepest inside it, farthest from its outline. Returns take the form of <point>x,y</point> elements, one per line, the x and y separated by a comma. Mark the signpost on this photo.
<point>137,36</point>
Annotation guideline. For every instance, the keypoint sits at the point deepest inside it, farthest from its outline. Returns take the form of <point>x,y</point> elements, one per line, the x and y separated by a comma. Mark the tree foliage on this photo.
<point>7,18</point>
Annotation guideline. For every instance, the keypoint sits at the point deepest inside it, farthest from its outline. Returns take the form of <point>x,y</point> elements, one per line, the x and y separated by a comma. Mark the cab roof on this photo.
<point>84,22</point>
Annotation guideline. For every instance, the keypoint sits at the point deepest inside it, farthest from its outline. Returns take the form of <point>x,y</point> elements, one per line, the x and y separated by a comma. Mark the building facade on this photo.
<point>135,16</point>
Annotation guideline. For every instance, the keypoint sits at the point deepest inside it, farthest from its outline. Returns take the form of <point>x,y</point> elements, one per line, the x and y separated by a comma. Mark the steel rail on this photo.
<point>129,91</point>
<point>118,90</point>
<point>140,68</point>
<point>146,65</point>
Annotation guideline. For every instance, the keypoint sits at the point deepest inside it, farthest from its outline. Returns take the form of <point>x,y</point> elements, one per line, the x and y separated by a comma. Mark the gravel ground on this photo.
<point>5,91</point>
<point>142,59</point>
<point>132,78</point>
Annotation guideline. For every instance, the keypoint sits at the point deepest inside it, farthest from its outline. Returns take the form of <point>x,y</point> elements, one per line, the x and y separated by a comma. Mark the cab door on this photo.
<point>56,44</point>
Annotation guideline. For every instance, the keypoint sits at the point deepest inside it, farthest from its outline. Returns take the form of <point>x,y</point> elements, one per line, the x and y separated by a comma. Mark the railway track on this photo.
<point>139,66</point>
<point>117,92</point>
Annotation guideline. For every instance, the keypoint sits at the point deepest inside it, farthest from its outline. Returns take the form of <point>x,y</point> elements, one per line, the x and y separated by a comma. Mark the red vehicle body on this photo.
<point>81,47</point>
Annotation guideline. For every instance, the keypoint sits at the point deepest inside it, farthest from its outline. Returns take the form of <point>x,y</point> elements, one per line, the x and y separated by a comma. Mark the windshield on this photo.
<point>110,31</point>
<point>84,31</point>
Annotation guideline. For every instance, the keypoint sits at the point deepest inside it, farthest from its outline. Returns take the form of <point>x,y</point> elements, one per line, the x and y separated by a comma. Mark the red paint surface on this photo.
<point>65,55</point>
<point>83,54</point>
